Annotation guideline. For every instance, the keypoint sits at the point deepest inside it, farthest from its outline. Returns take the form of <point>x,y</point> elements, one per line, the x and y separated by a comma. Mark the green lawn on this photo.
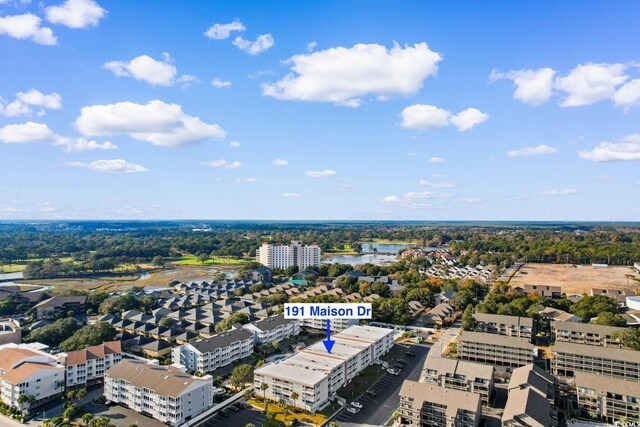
<point>22,264</point>
<point>361,382</point>
<point>193,260</point>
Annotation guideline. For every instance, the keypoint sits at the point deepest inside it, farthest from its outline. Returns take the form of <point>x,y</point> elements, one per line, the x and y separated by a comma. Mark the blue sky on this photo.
<point>319,110</point>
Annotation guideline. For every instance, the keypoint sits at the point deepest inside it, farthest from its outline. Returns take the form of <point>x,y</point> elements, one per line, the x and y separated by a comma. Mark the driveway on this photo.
<point>377,409</point>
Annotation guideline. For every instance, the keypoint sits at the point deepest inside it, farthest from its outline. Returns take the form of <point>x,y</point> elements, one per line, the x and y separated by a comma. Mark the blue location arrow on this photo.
<point>328,343</point>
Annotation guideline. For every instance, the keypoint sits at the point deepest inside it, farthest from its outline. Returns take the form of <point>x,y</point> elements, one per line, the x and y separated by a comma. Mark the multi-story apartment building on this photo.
<point>612,399</point>
<point>337,325</point>
<point>585,333</point>
<point>511,326</point>
<point>272,329</point>
<point>568,358</point>
<point>89,365</point>
<point>10,332</point>
<point>214,352</point>
<point>534,377</point>
<point>284,256</point>
<point>316,375</point>
<point>552,292</point>
<point>162,392</point>
<point>424,404</point>
<point>460,375</point>
<point>47,309</point>
<point>27,371</point>
<point>527,408</point>
<point>495,349</point>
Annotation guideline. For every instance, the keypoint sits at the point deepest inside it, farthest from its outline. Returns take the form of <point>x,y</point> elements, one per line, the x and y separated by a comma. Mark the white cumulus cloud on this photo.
<point>21,106</point>
<point>320,173</point>
<point>223,31</point>
<point>147,69</point>
<point>532,151</point>
<point>410,199</point>
<point>76,13</point>
<point>222,163</point>
<point>280,162</point>
<point>533,87</point>
<point>563,192</point>
<point>221,84</point>
<point>628,95</point>
<point>437,160</point>
<point>234,144</point>
<point>626,149</point>
<point>343,75</point>
<point>426,117</point>
<point>155,122</point>
<point>27,27</point>
<point>590,83</point>
<point>291,195</point>
<point>262,43</point>
<point>469,118</point>
<point>82,144</point>
<point>110,166</point>
<point>26,133</point>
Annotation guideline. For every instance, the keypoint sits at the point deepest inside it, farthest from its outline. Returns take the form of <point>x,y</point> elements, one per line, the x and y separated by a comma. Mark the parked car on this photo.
<point>393,371</point>
<point>371,393</point>
<point>353,410</point>
<point>356,405</point>
<point>224,414</point>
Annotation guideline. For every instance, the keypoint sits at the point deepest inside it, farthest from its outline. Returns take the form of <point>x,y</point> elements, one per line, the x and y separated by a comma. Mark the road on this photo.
<point>447,336</point>
<point>236,419</point>
<point>377,409</point>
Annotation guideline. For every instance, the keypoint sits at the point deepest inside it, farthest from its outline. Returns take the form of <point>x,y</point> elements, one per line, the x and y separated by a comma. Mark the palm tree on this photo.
<point>264,387</point>
<point>86,418</point>
<point>81,393</point>
<point>294,396</point>
<point>26,400</point>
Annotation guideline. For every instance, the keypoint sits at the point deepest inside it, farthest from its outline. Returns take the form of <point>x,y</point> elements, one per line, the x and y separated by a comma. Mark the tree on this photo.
<point>166,321</point>
<point>81,393</point>
<point>264,387</point>
<point>100,422</point>
<point>629,337</point>
<point>88,336</point>
<point>86,418</point>
<point>26,400</point>
<point>294,397</point>
<point>462,298</point>
<point>54,333</point>
<point>158,261</point>
<point>591,306</point>
<point>241,375</point>
<point>115,305</point>
<point>468,321</point>
<point>381,289</point>
<point>225,324</point>
<point>203,257</point>
<point>609,319</point>
<point>290,271</point>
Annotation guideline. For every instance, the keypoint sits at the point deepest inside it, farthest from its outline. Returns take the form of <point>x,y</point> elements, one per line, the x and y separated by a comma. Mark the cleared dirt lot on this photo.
<point>578,279</point>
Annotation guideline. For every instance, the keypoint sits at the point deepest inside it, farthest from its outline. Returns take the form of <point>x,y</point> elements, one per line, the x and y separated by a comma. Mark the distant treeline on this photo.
<point>103,249</point>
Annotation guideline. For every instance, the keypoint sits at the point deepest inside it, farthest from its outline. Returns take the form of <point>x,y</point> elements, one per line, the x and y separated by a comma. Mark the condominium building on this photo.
<point>162,392</point>
<point>552,292</point>
<point>460,375</point>
<point>612,399</point>
<point>526,408</point>
<point>24,370</point>
<point>495,349</point>
<point>534,377</point>
<point>585,333</point>
<point>89,365</point>
<point>316,375</point>
<point>47,309</point>
<point>511,326</point>
<point>336,325</point>
<point>214,352</point>
<point>284,256</point>
<point>10,332</point>
<point>424,404</point>
<point>568,358</point>
<point>272,329</point>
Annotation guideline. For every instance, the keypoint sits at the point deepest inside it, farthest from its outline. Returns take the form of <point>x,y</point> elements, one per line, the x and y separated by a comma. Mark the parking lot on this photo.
<point>230,418</point>
<point>382,398</point>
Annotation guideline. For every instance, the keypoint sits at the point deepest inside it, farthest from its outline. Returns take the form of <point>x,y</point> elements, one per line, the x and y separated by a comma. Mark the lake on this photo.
<point>387,248</point>
<point>11,276</point>
<point>361,259</point>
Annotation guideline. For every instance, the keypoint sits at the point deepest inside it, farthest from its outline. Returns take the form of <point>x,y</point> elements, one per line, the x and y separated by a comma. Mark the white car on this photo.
<point>392,371</point>
<point>356,405</point>
<point>353,410</point>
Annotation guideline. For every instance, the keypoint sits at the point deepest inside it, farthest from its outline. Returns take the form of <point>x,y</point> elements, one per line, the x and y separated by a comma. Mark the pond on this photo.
<point>361,259</point>
<point>11,276</point>
<point>386,248</point>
